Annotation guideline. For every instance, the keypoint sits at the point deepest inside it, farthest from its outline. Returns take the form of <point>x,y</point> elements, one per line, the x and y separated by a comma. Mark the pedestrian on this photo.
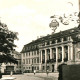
<point>47,72</point>
<point>34,72</point>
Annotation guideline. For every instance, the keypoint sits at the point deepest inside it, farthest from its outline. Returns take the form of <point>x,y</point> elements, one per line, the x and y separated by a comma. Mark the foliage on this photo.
<point>7,38</point>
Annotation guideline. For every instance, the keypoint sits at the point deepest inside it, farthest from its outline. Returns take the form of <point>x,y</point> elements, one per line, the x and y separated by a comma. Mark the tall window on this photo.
<point>29,61</point>
<point>23,61</point>
<point>26,61</point>
<point>48,54</point>
<point>48,43</point>
<point>53,41</point>
<point>35,60</point>
<point>32,61</point>
<point>43,56</point>
<point>54,53</point>
<point>59,54</point>
<point>34,52</point>
<point>38,60</point>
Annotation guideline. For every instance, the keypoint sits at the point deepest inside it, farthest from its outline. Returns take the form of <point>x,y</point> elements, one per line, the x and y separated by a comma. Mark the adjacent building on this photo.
<point>7,67</point>
<point>48,52</point>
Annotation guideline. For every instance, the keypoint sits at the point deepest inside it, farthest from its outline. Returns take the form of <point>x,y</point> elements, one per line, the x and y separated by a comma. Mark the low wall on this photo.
<point>43,74</point>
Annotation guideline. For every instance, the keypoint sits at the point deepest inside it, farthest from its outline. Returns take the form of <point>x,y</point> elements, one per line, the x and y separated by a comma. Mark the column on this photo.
<point>45,59</point>
<point>40,60</point>
<point>56,64</point>
<point>72,52</point>
<point>62,53</point>
<point>68,53</point>
<point>61,39</point>
<point>50,53</point>
<point>56,54</point>
<point>41,56</point>
<point>45,55</point>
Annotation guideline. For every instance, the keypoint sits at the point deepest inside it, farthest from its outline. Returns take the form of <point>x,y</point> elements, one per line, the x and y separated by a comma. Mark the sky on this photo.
<point>31,18</point>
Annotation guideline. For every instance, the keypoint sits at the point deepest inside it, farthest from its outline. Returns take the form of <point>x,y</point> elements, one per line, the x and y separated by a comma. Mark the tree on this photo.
<point>7,45</point>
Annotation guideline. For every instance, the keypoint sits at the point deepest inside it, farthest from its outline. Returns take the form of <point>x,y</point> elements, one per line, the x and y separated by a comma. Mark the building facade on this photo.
<point>48,52</point>
<point>7,67</point>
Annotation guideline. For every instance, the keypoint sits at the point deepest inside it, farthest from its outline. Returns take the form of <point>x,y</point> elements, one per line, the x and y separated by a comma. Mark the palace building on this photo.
<point>48,52</point>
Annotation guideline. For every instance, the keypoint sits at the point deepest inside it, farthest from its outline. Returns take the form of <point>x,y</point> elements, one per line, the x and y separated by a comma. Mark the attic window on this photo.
<point>48,42</point>
<point>53,41</point>
<point>65,38</point>
<point>58,40</point>
<point>43,44</point>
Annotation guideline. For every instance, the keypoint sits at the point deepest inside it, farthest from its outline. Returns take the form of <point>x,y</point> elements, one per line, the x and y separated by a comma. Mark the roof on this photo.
<point>60,34</point>
<point>54,36</point>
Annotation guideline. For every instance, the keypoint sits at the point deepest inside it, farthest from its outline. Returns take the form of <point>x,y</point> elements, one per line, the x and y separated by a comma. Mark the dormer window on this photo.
<point>43,44</point>
<point>65,39</point>
<point>53,41</point>
<point>47,43</point>
<point>58,40</point>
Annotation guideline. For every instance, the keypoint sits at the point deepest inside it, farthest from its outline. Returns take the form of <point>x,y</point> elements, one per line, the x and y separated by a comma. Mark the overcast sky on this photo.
<point>31,18</point>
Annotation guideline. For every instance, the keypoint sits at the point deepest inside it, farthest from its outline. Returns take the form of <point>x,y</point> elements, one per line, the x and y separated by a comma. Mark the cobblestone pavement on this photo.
<point>28,77</point>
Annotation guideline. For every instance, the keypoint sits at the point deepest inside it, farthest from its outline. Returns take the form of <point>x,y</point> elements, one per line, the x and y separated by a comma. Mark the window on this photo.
<point>38,60</point>
<point>26,55</point>
<point>34,60</point>
<point>37,67</point>
<point>43,44</point>
<point>29,53</point>
<point>65,39</point>
<point>23,54</point>
<point>29,61</point>
<point>29,67</point>
<point>26,61</point>
<point>23,61</point>
<point>53,41</point>
<point>37,52</point>
<point>34,52</point>
<point>48,54</point>
<point>47,43</point>
<point>43,68</point>
<point>58,40</point>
